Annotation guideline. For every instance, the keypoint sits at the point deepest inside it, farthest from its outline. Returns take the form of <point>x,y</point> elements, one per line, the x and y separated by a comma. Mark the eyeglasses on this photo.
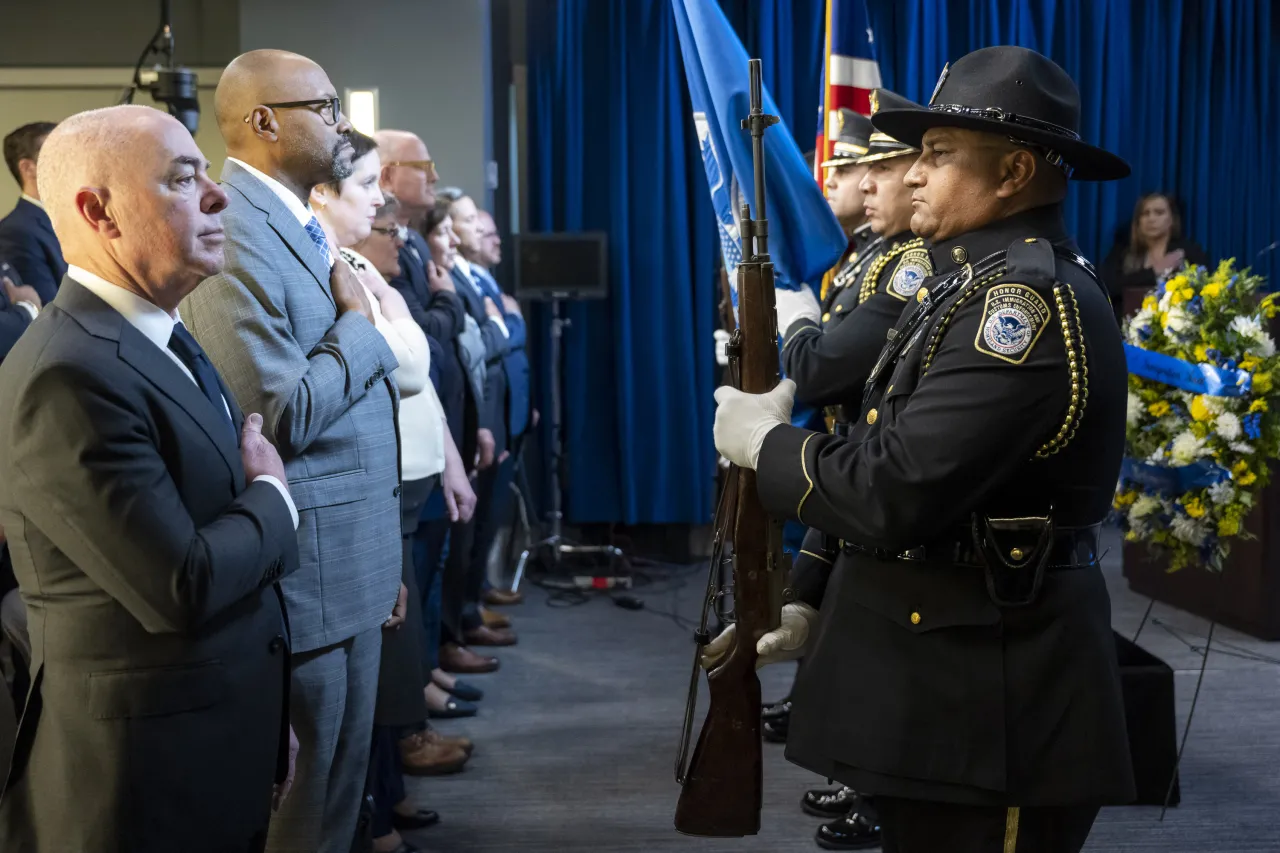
<point>330,108</point>
<point>387,230</point>
<point>427,166</point>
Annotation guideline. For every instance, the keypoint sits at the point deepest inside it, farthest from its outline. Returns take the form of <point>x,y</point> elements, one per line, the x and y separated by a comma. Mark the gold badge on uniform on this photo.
<point>1012,321</point>
<point>910,273</point>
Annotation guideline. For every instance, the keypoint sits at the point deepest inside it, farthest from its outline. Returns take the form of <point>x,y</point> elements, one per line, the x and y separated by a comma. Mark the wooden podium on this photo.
<point>1246,596</point>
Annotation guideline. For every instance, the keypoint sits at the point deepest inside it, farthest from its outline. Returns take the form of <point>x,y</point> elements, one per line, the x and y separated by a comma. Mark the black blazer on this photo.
<point>160,664</point>
<point>14,320</point>
<point>1118,280</point>
<point>493,414</point>
<point>27,241</point>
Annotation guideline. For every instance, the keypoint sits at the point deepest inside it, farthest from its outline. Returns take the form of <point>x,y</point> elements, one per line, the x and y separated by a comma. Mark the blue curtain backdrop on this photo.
<point>1186,90</point>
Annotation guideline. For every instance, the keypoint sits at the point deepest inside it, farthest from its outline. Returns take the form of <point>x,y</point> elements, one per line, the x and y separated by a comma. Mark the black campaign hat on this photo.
<point>852,135</point>
<point>882,146</point>
<point>1013,92</point>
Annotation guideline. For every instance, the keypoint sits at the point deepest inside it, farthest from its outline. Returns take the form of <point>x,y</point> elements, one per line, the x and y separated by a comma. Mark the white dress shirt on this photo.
<point>464,265</point>
<point>157,327</point>
<point>302,212</point>
<point>37,202</point>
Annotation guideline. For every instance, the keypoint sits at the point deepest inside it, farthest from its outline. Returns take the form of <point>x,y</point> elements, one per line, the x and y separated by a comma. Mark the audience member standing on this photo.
<point>149,521</point>
<point>26,236</point>
<point>293,334</point>
<point>468,559</point>
<point>19,305</point>
<point>1156,248</point>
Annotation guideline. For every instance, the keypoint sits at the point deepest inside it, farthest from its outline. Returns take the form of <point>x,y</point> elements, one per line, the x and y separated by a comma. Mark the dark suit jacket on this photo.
<point>493,414</point>
<point>27,241</point>
<point>14,320</point>
<point>148,567</point>
<point>515,362</point>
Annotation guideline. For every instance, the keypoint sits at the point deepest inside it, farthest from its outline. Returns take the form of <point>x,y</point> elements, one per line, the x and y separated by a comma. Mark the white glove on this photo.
<point>743,420</point>
<point>786,642</point>
<point>795,305</point>
<point>722,347</point>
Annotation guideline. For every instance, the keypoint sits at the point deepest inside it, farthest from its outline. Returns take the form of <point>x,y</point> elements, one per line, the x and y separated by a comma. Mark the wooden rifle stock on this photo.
<point>723,786</point>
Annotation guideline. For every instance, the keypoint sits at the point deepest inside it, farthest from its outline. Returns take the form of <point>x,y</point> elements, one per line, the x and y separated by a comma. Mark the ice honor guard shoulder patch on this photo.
<point>1012,321</point>
<point>910,273</point>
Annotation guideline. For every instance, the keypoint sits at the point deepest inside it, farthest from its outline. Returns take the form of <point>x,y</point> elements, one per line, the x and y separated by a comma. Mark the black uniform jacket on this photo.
<point>1009,401</point>
<point>830,362</point>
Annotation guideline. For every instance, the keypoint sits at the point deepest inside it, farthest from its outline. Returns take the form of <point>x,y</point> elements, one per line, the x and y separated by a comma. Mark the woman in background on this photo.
<point>1156,248</point>
<point>354,213</point>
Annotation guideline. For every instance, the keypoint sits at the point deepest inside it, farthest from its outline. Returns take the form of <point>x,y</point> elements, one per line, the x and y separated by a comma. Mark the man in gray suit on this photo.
<point>148,520</point>
<point>292,334</point>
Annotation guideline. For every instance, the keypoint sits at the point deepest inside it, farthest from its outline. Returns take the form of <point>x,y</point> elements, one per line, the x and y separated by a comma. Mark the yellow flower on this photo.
<point>1247,479</point>
<point>1124,499</point>
<point>1261,383</point>
<point>1268,305</point>
<point>1178,294</point>
<point>1258,406</point>
<point>1228,527</point>
<point>1212,290</point>
<point>1178,282</point>
<point>1150,303</point>
<point>1200,409</point>
<point>1202,352</point>
<point>1194,507</point>
<point>1249,362</point>
<point>1239,468</point>
<point>1159,409</point>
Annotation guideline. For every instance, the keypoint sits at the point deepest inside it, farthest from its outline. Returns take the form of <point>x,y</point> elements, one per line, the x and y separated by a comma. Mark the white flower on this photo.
<point>1166,300</point>
<point>1186,448</point>
<point>1266,346</point>
<point>1143,507</point>
<point>1248,327</point>
<point>1177,321</point>
<point>1228,426</point>
<point>1242,447</point>
<point>1189,529</point>
<point>1222,493</point>
<point>1141,320</point>
<point>1136,409</point>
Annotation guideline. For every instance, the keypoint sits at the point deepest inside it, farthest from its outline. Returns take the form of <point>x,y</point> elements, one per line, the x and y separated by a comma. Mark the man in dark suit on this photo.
<point>19,305</point>
<point>26,236</point>
<point>149,522</point>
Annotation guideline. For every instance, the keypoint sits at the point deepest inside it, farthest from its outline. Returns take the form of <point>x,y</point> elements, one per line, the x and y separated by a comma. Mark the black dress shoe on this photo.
<point>855,831</point>
<point>775,730</point>
<point>777,709</point>
<point>826,803</point>
<point>420,819</point>
<point>465,691</point>
<point>453,709</point>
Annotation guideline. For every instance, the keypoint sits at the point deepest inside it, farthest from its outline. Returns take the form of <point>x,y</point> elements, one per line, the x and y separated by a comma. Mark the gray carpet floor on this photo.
<point>577,736</point>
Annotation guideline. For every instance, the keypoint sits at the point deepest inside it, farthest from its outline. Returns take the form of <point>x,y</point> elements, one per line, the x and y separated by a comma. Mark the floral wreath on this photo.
<point>1202,419</point>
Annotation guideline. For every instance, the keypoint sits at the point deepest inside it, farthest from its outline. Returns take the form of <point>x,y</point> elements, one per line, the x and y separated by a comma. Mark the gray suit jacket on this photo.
<point>159,662</point>
<point>323,386</point>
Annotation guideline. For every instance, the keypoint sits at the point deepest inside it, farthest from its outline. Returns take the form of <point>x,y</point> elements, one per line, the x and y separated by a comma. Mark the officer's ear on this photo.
<point>1018,168</point>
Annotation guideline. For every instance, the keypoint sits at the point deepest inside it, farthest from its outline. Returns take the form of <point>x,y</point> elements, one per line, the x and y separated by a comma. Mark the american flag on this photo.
<point>849,71</point>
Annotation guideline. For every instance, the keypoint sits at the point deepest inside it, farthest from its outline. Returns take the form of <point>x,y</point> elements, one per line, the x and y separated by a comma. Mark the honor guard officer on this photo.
<point>968,598</point>
<point>843,175</point>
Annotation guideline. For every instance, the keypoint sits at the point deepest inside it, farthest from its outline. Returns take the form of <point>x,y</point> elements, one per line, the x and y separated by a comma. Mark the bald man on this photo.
<point>149,522</point>
<point>291,332</point>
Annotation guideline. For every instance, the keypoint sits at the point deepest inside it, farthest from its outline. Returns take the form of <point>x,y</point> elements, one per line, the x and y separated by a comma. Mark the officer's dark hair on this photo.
<point>24,144</point>
<point>437,214</point>
<point>1135,258</point>
<point>362,145</point>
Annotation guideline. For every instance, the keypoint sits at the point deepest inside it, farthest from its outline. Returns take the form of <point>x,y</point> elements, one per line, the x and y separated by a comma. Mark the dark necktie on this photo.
<point>185,348</point>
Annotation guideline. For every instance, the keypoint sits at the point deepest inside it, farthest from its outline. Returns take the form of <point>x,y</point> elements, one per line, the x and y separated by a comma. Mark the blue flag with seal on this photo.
<point>805,238</point>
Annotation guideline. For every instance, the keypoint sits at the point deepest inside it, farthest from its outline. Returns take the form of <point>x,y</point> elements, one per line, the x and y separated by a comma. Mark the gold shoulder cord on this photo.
<point>872,278</point>
<point>1078,364</point>
<point>935,337</point>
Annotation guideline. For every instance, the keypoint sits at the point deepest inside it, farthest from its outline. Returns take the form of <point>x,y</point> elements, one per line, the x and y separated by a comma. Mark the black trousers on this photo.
<point>917,826</point>
<point>467,564</point>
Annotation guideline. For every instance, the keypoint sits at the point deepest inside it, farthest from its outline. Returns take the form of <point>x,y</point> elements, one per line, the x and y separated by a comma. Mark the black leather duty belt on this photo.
<point>1072,548</point>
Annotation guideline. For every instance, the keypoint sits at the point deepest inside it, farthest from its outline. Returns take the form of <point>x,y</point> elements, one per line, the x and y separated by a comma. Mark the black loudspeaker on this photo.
<point>1147,686</point>
<point>570,265</point>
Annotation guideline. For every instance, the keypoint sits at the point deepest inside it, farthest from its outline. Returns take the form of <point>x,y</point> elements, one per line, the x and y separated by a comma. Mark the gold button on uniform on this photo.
<point>1016,553</point>
<point>922,294</point>
<point>826,316</point>
<point>915,618</point>
<point>959,255</point>
<point>872,415</point>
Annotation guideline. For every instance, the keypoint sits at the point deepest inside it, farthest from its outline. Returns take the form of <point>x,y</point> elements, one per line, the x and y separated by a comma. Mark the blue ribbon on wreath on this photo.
<point>1173,480</point>
<point>1198,378</point>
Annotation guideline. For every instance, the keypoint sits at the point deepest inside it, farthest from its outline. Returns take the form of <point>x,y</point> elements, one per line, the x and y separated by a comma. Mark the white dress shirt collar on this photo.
<point>302,212</point>
<point>37,202</point>
<point>147,317</point>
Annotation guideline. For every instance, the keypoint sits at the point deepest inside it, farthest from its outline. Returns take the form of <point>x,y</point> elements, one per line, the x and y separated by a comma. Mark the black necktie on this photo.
<point>185,347</point>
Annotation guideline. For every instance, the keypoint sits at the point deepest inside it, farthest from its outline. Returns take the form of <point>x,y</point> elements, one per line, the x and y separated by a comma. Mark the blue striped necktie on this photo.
<point>322,243</point>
